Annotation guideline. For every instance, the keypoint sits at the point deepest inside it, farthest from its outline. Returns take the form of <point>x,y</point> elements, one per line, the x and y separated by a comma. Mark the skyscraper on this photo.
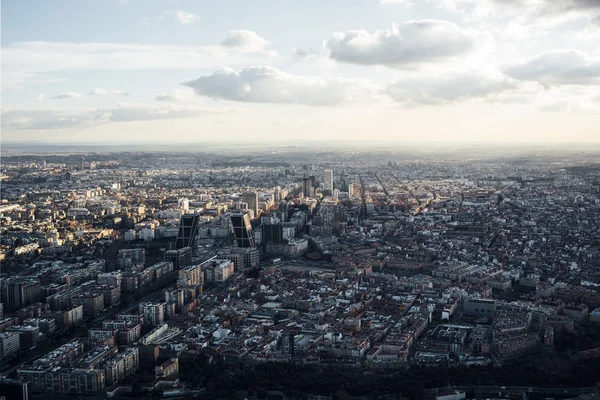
<point>252,199</point>
<point>242,230</point>
<point>307,189</point>
<point>328,181</point>
<point>187,230</point>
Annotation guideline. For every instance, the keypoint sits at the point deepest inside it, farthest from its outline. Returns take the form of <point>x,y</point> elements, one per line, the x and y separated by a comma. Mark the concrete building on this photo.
<point>479,307</point>
<point>9,344</point>
<point>154,313</point>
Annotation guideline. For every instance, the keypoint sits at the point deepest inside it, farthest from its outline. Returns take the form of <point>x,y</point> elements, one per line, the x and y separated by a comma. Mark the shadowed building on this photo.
<point>242,230</point>
<point>187,230</point>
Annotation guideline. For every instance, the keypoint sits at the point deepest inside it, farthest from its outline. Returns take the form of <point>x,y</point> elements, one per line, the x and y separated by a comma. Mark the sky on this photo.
<point>409,71</point>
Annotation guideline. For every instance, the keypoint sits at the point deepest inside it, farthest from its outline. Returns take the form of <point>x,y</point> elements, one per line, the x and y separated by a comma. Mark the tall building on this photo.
<point>10,343</point>
<point>277,194</point>
<point>242,230</point>
<point>328,181</point>
<point>307,188</point>
<point>188,228</point>
<point>252,199</point>
<point>20,292</point>
<point>154,313</point>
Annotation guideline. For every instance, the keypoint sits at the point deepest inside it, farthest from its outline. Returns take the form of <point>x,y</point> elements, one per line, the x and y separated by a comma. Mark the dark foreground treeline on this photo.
<point>222,381</point>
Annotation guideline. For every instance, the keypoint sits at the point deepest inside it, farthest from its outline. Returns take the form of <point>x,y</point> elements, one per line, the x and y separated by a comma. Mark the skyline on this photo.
<point>522,71</point>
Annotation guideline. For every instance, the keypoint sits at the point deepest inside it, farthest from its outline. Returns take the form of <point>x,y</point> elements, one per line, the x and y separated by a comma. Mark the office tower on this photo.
<point>272,232</point>
<point>187,230</point>
<point>313,182</point>
<point>328,181</point>
<point>307,189</point>
<point>252,199</point>
<point>242,230</point>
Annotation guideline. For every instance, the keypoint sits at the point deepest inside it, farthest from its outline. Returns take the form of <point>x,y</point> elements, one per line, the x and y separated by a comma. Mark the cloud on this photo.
<point>42,97</point>
<point>103,92</point>
<point>401,2</point>
<point>175,95</point>
<point>540,7</point>
<point>558,67</point>
<point>302,53</point>
<point>539,13</point>
<point>408,43</point>
<point>184,17</point>
<point>31,61</point>
<point>263,84</point>
<point>41,119</point>
<point>555,106</point>
<point>67,95</point>
<point>449,88</point>
<point>245,41</point>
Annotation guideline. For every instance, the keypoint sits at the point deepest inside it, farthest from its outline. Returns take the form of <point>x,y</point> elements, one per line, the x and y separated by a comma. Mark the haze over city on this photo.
<point>425,72</point>
<point>300,200</point>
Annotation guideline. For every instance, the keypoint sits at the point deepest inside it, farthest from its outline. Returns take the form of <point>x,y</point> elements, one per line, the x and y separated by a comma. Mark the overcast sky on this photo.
<point>420,71</point>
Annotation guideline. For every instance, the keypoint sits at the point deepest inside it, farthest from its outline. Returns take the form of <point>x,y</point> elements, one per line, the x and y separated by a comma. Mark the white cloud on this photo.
<point>538,7</point>
<point>541,14</point>
<point>555,106</point>
<point>302,53</point>
<point>30,61</point>
<point>184,17</point>
<point>558,67</point>
<point>103,92</point>
<point>245,41</point>
<point>176,95</point>
<point>449,88</point>
<point>42,97</point>
<point>401,2</point>
<point>263,84</point>
<point>67,95</point>
<point>41,119</point>
<point>408,43</point>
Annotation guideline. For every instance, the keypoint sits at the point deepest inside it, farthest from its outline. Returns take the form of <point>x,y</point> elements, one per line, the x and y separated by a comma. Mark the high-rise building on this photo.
<point>20,292</point>
<point>328,181</point>
<point>272,232</point>
<point>242,230</point>
<point>252,199</point>
<point>188,228</point>
<point>10,343</point>
<point>276,194</point>
<point>154,313</point>
<point>307,188</point>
